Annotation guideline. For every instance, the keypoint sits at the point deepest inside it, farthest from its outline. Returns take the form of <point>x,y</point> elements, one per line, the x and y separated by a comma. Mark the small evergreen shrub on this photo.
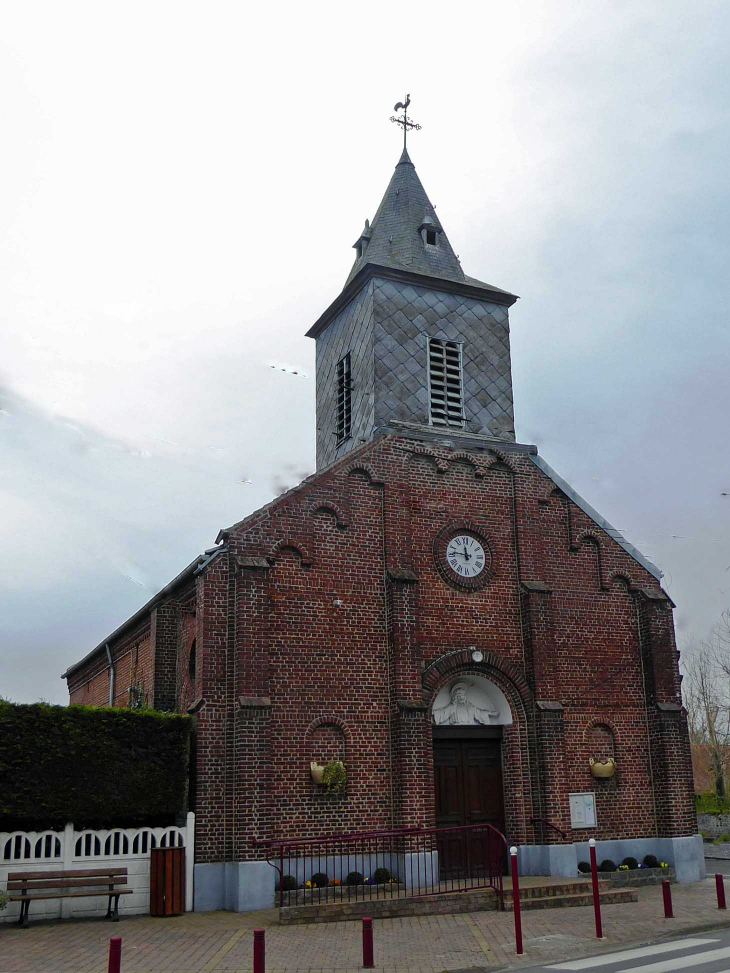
<point>319,880</point>
<point>288,883</point>
<point>584,867</point>
<point>651,861</point>
<point>354,878</point>
<point>630,862</point>
<point>607,866</point>
<point>381,876</point>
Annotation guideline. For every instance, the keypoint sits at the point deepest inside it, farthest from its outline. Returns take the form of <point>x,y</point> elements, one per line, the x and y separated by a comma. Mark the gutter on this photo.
<point>201,561</point>
<point>112,674</point>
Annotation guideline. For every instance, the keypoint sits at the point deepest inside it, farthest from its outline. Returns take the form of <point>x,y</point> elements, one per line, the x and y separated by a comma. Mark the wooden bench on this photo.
<point>26,887</point>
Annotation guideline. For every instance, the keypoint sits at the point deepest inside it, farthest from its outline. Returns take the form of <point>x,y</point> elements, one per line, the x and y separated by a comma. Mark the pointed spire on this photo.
<point>405,233</point>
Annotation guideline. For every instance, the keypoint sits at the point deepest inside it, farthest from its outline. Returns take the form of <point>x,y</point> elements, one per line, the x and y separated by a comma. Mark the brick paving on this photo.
<point>221,942</point>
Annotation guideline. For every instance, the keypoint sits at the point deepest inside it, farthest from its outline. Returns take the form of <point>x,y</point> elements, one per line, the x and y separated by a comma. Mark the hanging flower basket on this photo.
<point>603,768</point>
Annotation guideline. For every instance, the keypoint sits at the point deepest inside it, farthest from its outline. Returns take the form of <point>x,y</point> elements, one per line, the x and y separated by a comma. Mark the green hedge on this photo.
<point>94,766</point>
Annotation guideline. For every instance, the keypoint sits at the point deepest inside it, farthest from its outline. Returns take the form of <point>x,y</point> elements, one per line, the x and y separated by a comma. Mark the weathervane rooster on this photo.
<point>403,119</point>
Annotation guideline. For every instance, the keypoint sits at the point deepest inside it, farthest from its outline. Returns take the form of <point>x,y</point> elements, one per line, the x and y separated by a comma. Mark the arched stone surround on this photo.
<point>516,775</point>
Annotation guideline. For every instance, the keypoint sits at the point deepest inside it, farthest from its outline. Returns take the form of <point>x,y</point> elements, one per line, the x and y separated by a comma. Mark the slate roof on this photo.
<point>395,240</point>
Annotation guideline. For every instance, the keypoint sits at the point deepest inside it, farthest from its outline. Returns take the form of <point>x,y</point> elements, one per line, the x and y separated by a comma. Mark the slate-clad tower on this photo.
<point>407,317</point>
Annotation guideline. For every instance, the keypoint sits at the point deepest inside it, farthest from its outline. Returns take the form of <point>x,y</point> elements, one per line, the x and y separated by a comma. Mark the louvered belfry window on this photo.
<point>445,382</point>
<point>344,399</point>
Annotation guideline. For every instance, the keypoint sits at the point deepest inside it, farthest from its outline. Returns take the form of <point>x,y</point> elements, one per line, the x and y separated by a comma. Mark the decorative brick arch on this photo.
<point>292,544</point>
<point>418,449</point>
<point>619,574</point>
<point>500,456</point>
<point>601,721</point>
<point>461,456</point>
<point>367,469</point>
<point>587,535</point>
<point>329,506</point>
<point>449,665</point>
<point>330,720</point>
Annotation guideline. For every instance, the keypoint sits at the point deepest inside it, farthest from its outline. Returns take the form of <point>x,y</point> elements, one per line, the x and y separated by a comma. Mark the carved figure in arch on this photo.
<point>460,711</point>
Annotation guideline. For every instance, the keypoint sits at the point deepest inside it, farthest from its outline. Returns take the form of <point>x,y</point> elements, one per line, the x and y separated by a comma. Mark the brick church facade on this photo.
<point>434,582</point>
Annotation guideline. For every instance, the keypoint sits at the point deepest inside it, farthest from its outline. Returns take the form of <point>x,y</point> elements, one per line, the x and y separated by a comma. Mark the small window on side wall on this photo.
<point>344,399</point>
<point>192,662</point>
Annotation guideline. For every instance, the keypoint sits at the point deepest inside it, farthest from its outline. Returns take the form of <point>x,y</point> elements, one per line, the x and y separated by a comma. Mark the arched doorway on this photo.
<point>468,715</point>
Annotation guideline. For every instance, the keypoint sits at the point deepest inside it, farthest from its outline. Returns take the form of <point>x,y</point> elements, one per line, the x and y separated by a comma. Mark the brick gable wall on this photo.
<point>323,627</point>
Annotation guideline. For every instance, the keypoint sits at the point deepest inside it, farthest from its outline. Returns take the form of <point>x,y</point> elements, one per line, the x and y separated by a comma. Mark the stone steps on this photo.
<point>476,900</point>
<point>573,899</point>
<point>557,889</point>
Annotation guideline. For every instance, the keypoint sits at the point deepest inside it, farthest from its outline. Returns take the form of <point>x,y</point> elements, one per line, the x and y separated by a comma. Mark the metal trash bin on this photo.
<point>167,881</point>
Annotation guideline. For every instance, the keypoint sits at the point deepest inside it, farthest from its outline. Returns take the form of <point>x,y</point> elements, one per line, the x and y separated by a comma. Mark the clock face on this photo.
<point>465,556</point>
<point>462,556</point>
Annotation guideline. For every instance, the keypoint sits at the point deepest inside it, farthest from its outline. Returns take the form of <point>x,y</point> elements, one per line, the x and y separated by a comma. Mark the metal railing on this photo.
<point>342,868</point>
<point>548,824</point>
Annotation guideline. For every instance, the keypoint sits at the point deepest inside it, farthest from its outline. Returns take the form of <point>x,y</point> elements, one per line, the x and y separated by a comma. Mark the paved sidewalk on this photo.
<point>221,942</point>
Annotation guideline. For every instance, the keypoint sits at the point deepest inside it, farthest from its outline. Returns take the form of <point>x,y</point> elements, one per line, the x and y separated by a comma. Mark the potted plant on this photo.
<point>334,777</point>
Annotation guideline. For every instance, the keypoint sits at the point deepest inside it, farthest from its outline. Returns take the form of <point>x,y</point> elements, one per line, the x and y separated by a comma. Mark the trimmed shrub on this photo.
<point>319,880</point>
<point>288,883</point>
<point>631,862</point>
<point>607,866</point>
<point>651,861</point>
<point>381,876</point>
<point>584,867</point>
<point>354,878</point>
<point>93,766</point>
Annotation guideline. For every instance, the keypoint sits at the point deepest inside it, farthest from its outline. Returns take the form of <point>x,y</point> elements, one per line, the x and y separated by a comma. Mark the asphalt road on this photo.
<point>696,954</point>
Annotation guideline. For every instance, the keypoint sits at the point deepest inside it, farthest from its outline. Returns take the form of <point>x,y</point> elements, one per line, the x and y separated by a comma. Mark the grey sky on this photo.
<point>180,188</point>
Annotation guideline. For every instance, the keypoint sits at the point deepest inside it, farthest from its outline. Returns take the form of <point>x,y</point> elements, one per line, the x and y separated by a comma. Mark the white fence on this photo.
<point>48,851</point>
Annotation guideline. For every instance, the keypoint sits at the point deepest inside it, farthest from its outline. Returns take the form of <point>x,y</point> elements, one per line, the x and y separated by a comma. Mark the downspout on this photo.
<point>112,674</point>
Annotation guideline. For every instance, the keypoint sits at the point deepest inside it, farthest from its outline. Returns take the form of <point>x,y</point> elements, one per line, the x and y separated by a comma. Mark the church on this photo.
<point>434,606</point>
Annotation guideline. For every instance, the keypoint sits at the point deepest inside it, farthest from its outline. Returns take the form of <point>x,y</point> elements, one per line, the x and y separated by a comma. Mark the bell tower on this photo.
<point>411,344</point>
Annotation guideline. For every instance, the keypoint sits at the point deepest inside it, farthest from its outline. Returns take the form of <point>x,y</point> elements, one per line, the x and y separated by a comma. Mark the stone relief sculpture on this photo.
<point>460,711</point>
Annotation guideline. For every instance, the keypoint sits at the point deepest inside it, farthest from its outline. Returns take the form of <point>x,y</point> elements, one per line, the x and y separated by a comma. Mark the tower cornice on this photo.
<point>484,292</point>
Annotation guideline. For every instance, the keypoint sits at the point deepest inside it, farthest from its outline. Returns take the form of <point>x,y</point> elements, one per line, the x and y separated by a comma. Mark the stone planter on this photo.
<point>603,768</point>
<point>341,893</point>
<point>317,772</point>
<point>634,877</point>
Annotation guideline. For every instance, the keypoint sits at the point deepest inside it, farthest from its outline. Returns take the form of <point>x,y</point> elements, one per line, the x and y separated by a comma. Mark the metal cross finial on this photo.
<point>403,119</point>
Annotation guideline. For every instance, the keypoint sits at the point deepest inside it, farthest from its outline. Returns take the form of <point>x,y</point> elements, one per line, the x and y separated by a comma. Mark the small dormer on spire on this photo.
<point>430,230</point>
<point>361,244</point>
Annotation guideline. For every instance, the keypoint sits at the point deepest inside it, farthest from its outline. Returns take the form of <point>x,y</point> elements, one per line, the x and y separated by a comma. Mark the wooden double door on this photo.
<point>468,779</point>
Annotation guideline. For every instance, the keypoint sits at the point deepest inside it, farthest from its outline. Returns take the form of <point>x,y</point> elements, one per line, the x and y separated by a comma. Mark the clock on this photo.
<point>463,557</point>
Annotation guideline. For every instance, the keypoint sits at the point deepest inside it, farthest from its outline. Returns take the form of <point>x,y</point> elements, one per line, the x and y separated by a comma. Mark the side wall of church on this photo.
<point>133,663</point>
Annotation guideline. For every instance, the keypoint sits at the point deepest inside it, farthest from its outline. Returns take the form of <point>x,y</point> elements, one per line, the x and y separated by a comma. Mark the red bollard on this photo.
<point>115,954</point>
<point>516,902</point>
<point>596,893</point>
<point>368,959</point>
<point>259,951</point>
<point>667,893</point>
<point>720,886</point>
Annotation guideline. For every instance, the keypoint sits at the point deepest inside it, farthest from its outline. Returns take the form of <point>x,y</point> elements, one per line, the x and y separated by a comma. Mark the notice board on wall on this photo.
<point>582,810</point>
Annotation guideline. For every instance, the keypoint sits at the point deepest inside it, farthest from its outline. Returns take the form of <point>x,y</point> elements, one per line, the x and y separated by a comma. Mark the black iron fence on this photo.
<point>388,864</point>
